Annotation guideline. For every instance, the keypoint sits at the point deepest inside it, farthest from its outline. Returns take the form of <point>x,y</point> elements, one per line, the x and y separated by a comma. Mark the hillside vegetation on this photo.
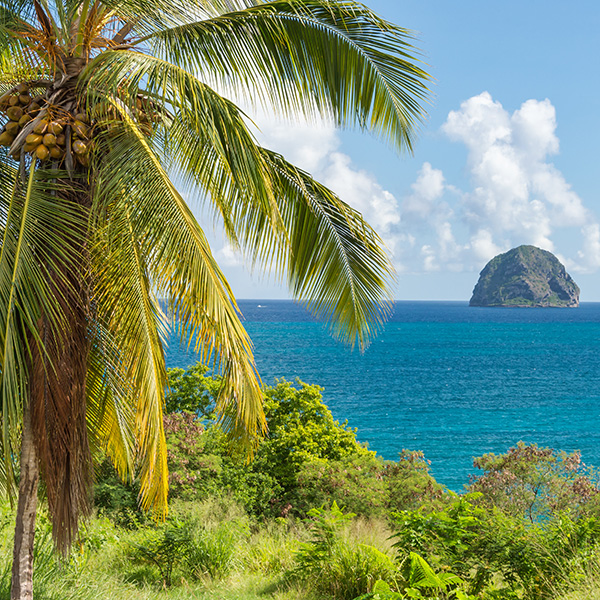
<point>316,515</point>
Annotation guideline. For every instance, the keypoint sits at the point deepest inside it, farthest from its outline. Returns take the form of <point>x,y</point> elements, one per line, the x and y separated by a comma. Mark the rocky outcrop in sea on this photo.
<point>525,276</point>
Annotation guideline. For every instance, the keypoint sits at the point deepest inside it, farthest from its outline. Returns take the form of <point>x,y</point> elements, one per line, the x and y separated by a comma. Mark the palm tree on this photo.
<point>107,103</point>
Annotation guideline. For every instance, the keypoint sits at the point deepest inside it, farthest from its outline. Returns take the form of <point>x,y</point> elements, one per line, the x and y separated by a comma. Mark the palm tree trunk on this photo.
<point>22,568</point>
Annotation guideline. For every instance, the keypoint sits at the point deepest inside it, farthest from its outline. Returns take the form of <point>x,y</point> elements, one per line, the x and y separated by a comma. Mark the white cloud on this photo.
<point>426,192</point>
<point>229,257</point>
<point>589,255</point>
<point>517,197</point>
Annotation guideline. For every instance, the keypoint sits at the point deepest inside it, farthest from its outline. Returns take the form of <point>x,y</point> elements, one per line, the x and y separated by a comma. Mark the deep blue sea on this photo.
<point>445,378</point>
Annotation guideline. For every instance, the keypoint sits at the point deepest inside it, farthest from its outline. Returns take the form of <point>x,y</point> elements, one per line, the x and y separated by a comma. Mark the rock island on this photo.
<point>525,276</point>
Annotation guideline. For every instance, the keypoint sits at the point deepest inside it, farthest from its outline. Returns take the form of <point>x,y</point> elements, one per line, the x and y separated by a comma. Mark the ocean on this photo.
<point>442,377</point>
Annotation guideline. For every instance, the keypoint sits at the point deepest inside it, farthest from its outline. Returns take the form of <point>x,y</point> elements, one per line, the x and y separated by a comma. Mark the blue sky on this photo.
<point>507,155</point>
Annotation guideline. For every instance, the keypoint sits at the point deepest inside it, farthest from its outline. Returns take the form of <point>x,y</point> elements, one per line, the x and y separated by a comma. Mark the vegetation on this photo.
<point>103,105</point>
<point>341,523</point>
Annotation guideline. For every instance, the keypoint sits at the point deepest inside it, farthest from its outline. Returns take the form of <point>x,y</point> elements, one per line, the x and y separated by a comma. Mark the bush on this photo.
<point>535,483</point>
<point>338,567</point>
<point>354,482</point>
<point>409,485</point>
<point>164,547</point>
<point>213,553</point>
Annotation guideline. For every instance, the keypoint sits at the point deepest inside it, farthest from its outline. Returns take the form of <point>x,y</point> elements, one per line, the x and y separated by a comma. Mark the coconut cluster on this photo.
<point>38,128</point>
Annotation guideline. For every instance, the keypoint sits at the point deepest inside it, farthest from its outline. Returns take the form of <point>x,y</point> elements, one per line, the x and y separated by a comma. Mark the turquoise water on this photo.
<point>445,378</point>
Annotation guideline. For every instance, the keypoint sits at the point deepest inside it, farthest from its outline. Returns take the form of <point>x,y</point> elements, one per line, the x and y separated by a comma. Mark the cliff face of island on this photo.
<point>525,276</point>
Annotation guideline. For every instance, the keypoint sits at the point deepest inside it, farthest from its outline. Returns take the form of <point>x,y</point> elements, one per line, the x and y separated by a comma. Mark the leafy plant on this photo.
<point>335,566</point>
<point>164,547</point>
<point>534,483</point>
<point>213,552</point>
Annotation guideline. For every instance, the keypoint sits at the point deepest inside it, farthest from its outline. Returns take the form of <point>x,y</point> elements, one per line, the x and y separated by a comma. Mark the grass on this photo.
<point>233,558</point>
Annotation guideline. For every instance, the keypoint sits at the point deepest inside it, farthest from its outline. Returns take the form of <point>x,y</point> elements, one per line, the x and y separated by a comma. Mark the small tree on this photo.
<point>533,483</point>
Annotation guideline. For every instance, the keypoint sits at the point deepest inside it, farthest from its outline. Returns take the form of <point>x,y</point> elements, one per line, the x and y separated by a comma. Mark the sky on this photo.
<point>507,156</point>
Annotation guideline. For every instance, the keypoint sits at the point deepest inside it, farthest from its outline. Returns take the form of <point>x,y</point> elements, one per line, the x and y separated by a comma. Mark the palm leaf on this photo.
<point>311,57</point>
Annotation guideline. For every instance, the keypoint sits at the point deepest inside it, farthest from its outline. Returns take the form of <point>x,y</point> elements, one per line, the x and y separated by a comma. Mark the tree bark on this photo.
<point>22,568</point>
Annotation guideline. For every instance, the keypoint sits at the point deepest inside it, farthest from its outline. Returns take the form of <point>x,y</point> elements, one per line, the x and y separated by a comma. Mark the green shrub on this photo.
<point>410,486</point>
<point>213,553</point>
<point>355,482</point>
<point>164,548</point>
<point>535,483</point>
<point>333,565</point>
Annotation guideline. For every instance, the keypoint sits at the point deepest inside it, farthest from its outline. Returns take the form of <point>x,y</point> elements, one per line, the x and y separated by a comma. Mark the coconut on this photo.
<point>14,113</point>
<point>80,128</point>
<point>49,140</point>
<point>41,126</point>
<point>83,159</point>
<point>81,116</point>
<point>55,127</point>
<point>57,153</point>
<point>24,99</point>
<point>61,139</point>
<point>33,107</point>
<point>13,100</point>
<point>42,152</point>
<point>80,147</point>
<point>30,147</point>
<point>24,120</point>
<point>34,138</point>
<point>22,88</point>
<point>6,139</point>
<point>12,128</point>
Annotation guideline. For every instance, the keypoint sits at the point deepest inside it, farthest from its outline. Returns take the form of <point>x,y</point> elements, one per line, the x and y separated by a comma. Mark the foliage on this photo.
<point>302,428</point>
<point>533,483</point>
<point>409,484</point>
<point>353,482</point>
<point>164,547</point>
<point>191,390</point>
<point>213,553</point>
<point>333,565</point>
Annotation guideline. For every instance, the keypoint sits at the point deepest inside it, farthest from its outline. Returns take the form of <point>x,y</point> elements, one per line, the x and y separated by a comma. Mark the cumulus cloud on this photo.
<point>517,195</point>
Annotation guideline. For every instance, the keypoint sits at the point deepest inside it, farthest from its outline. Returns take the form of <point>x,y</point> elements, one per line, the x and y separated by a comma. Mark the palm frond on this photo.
<point>37,240</point>
<point>184,270</point>
<point>110,403</point>
<point>126,304</point>
<point>333,259</point>
<point>311,57</point>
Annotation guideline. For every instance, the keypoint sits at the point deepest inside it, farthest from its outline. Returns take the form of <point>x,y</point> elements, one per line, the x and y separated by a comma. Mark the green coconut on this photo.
<point>42,152</point>
<point>14,113</point>
<point>41,127</point>
<point>25,119</point>
<point>49,140</point>
<point>80,147</point>
<point>12,128</point>
<point>80,128</point>
<point>56,152</point>
<point>55,127</point>
<point>6,139</point>
<point>34,138</point>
